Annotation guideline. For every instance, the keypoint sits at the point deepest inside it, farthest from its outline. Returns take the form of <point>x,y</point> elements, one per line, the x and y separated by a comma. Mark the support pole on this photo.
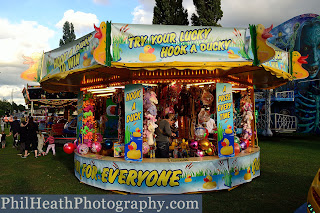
<point>267,131</point>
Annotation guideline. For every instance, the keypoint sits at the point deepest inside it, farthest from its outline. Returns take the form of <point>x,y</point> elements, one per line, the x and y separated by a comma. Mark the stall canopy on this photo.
<point>128,53</point>
<point>40,97</point>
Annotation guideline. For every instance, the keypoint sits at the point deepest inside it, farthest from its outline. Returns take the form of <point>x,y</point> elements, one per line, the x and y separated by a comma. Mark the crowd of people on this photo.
<point>26,136</point>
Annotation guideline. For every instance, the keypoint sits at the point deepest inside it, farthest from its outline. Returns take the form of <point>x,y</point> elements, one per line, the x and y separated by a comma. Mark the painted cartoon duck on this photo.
<point>148,54</point>
<point>209,184</point>
<point>188,179</point>
<point>86,60</point>
<point>298,72</point>
<point>226,149</point>
<point>232,55</point>
<point>137,133</point>
<point>247,176</point>
<point>133,153</point>
<point>236,171</point>
<point>99,53</point>
<point>228,130</point>
<point>265,52</point>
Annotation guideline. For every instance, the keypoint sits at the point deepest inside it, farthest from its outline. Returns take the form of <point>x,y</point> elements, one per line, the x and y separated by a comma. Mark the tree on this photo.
<point>68,34</point>
<point>209,13</point>
<point>170,12</point>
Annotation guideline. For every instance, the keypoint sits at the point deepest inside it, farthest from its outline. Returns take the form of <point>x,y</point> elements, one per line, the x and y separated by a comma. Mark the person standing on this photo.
<point>15,125</point>
<point>163,132</point>
<point>51,144</point>
<point>2,123</point>
<point>3,139</point>
<point>40,143</point>
<point>23,131</point>
<point>32,139</point>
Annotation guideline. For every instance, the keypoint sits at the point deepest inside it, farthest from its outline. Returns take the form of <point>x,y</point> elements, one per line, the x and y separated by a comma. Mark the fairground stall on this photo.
<point>135,75</point>
<point>44,107</point>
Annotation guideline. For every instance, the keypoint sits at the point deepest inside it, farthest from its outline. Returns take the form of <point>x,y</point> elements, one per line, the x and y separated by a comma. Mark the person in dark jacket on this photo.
<point>23,131</point>
<point>32,140</point>
<point>163,132</point>
<point>15,125</point>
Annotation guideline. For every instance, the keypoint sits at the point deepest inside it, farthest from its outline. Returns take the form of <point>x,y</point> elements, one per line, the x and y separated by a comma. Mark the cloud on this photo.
<point>141,16</point>
<point>101,2</point>
<point>82,22</point>
<point>16,40</point>
<point>15,91</point>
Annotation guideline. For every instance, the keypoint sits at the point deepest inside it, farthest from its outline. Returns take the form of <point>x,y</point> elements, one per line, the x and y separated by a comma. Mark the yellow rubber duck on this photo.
<point>247,176</point>
<point>133,153</point>
<point>226,149</point>
<point>232,54</point>
<point>148,54</point>
<point>236,171</point>
<point>86,61</point>
<point>208,183</point>
<point>264,51</point>
<point>228,130</point>
<point>298,72</point>
<point>188,179</point>
<point>137,133</point>
<point>99,53</point>
<point>173,145</point>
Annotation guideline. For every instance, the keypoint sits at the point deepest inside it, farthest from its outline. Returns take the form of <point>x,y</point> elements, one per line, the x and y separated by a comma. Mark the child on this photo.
<point>40,143</point>
<point>50,139</point>
<point>3,139</point>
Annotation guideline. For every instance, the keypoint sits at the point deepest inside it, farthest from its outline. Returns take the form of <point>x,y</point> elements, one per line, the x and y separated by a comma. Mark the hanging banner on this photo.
<point>133,43</point>
<point>75,55</point>
<point>133,95</point>
<point>224,105</point>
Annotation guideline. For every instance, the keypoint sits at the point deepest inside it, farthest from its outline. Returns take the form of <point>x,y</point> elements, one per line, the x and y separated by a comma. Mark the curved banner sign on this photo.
<point>72,56</point>
<point>133,43</point>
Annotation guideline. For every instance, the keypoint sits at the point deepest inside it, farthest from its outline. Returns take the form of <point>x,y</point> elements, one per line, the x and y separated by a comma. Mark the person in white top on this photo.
<point>40,143</point>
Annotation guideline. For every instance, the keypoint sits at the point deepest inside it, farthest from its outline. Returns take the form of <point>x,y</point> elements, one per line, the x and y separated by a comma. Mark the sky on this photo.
<point>29,26</point>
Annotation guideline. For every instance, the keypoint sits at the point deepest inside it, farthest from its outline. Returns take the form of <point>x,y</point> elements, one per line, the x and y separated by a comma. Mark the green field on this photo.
<point>288,166</point>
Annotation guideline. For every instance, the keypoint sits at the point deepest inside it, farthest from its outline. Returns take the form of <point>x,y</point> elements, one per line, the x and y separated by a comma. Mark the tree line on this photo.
<point>6,107</point>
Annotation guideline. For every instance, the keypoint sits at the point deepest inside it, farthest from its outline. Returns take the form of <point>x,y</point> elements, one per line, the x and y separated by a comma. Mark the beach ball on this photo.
<point>108,144</point>
<point>145,147</point>
<point>236,139</point>
<point>236,148</point>
<point>96,147</point>
<point>82,149</point>
<point>204,144</point>
<point>193,144</point>
<point>68,148</point>
<point>209,151</point>
<point>200,153</point>
<point>243,145</point>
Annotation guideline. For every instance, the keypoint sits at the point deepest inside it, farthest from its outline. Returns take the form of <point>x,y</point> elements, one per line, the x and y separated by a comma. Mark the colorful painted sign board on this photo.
<point>224,110</point>
<point>133,96</point>
<point>300,35</point>
<point>133,43</point>
<point>165,178</point>
<point>75,55</point>
<point>280,61</point>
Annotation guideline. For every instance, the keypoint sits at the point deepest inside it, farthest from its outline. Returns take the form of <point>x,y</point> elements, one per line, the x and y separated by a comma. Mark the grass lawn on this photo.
<point>288,166</point>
